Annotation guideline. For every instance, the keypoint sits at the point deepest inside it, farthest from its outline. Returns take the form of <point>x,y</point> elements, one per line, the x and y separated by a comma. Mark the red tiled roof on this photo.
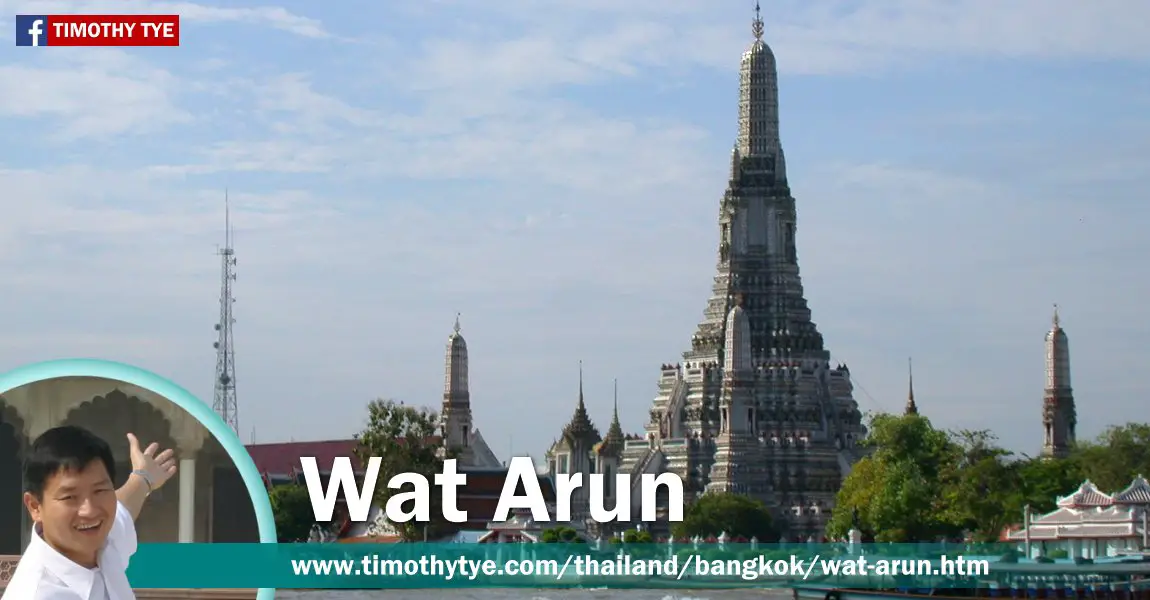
<point>283,458</point>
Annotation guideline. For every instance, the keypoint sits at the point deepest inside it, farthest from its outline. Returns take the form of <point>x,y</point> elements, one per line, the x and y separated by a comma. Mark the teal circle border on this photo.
<point>88,367</point>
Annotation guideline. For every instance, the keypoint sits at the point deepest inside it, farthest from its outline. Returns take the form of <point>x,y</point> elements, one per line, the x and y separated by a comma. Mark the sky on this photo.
<point>552,171</point>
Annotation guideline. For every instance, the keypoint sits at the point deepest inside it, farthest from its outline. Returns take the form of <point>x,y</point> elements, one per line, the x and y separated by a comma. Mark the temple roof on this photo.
<point>1086,522</point>
<point>283,459</point>
<point>1085,496</point>
<point>613,442</point>
<point>481,454</point>
<point>1138,492</point>
<point>580,428</point>
<point>1067,515</point>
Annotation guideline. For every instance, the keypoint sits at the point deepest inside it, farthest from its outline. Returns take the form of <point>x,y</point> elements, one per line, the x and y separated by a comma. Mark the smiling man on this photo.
<point>85,531</point>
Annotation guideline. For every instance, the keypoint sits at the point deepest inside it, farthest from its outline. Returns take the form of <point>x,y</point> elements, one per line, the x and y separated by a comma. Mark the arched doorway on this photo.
<point>112,417</point>
<point>12,444</point>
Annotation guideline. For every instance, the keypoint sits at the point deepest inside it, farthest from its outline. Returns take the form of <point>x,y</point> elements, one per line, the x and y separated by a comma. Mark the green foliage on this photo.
<point>735,515</point>
<point>561,535</point>
<point>405,439</point>
<point>1040,482</point>
<point>921,484</point>
<point>1116,456</point>
<point>634,536</point>
<point>292,509</point>
<point>981,492</point>
<point>897,491</point>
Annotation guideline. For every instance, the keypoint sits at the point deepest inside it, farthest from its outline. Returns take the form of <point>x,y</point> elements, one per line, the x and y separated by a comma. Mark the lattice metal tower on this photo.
<point>225,403</point>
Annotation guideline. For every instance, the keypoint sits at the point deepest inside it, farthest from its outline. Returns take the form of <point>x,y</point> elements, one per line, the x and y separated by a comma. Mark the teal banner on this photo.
<point>672,566</point>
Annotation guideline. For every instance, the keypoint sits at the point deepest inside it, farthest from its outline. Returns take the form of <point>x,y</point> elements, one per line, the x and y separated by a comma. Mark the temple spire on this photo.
<point>757,24</point>
<point>1059,417</point>
<point>911,407</point>
<point>456,412</point>
<point>758,133</point>
<point>580,426</point>
<point>615,430</point>
<point>616,400</point>
<point>581,405</point>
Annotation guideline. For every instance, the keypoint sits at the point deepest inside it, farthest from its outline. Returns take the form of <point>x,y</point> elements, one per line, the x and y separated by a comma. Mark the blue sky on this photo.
<point>553,173</point>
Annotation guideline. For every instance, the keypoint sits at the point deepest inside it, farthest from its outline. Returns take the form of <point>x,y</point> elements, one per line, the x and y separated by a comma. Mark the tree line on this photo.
<point>920,483</point>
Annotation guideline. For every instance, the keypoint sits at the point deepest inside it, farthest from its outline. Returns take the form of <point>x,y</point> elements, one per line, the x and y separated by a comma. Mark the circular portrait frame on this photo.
<point>86,367</point>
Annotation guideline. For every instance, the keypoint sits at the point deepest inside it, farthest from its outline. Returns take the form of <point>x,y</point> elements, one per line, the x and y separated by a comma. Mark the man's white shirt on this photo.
<point>45,574</point>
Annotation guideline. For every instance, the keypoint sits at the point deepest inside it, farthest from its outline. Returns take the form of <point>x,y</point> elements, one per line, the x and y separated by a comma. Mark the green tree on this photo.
<point>983,492</point>
<point>858,493</point>
<point>897,491</point>
<point>406,440</point>
<point>1118,455</point>
<point>911,438</point>
<point>560,535</point>
<point>919,483</point>
<point>717,513</point>
<point>635,536</point>
<point>907,506</point>
<point>291,506</point>
<point>1042,481</point>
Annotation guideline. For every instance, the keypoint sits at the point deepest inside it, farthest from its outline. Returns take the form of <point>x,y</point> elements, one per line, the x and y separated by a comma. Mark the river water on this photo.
<point>541,594</point>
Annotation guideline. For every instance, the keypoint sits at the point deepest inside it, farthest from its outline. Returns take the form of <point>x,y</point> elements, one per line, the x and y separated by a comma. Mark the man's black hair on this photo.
<point>66,448</point>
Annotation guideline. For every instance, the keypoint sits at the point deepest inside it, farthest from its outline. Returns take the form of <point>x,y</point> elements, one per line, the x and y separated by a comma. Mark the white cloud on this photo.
<point>836,36</point>
<point>319,133</point>
<point>91,94</point>
<point>1108,29</point>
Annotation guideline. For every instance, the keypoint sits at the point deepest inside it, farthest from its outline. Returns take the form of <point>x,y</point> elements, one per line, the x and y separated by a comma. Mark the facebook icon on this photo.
<point>31,30</point>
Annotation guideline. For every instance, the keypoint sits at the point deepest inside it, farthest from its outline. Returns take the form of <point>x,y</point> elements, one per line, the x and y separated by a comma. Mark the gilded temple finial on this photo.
<point>757,24</point>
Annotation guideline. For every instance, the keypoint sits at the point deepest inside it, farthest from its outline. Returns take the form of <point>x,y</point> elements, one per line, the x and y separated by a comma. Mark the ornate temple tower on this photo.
<point>1059,417</point>
<point>755,406</point>
<point>456,412</point>
<point>574,452</point>
<point>911,407</point>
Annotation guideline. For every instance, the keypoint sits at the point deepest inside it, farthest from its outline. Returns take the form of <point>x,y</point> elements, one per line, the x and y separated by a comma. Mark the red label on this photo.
<point>113,30</point>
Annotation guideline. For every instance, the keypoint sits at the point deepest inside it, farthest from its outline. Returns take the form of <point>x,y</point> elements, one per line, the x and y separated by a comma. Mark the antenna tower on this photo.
<point>224,402</point>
